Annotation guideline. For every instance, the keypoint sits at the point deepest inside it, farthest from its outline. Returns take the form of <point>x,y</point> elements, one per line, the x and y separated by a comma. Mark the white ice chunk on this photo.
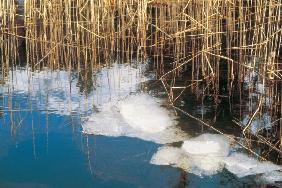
<point>108,122</point>
<point>168,155</point>
<point>177,157</point>
<point>207,144</point>
<point>208,154</point>
<point>242,165</point>
<point>139,116</point>
<point>271,177</point>
<point>142,112</point>
<point>205,165</point>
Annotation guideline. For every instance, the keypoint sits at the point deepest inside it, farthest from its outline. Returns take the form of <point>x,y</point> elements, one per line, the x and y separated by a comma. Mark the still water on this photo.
<point>110,128</point>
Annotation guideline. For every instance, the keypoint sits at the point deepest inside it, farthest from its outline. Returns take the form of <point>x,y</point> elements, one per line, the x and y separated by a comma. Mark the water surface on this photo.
<point>74,129</point>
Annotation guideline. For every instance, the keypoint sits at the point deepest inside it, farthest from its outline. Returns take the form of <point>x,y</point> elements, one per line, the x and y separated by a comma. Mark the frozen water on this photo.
<point>168,155</point>
<point>142,112</point>
<point>139,116</point>
<point>242,165</point>
<point>203,155</point>
<point>209,154</point>
<point>271,177</point>
<point>207,144</point>
<point>200,165</point>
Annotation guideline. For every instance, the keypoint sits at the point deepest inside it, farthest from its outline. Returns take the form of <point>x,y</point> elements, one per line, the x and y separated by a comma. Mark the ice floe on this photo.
<point>273,177</point>
<point>209,154</point>
<point>207,144</point>
<point>242,165</point>
<point>143,112</point>
<point>139,115</point>
<point>202,155</point>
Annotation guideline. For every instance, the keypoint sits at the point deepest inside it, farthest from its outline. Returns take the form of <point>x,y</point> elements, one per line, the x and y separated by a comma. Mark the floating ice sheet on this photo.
<point>207,155</point>
<point>202,155</point>
<point>199,165</point>
<point>143,112</point>
<point>207,144</point>
<point>242,165</point>
<point>273,177</point>
<point>139,116</point>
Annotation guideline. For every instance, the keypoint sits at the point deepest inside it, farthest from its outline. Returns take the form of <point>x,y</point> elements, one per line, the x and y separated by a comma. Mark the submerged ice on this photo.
<point>209,154</point>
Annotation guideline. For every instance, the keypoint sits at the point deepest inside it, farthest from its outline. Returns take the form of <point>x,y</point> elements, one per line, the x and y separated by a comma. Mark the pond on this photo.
<point>112,128</point>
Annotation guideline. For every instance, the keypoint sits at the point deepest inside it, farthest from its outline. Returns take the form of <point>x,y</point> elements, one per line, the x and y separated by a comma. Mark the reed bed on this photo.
<point>215,48</point>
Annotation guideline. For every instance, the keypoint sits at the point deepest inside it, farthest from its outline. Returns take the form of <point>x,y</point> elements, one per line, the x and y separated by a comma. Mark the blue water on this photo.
<point>40,147</point>
<point>57,154</point>
<point>65,158</point>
